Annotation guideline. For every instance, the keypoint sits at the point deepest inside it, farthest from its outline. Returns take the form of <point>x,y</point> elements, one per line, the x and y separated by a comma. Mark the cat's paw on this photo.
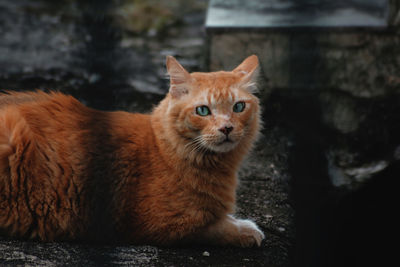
<point>249,233</point>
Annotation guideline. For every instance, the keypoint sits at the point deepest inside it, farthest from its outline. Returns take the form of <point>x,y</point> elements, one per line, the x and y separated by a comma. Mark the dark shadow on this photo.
<point>336,225</point>
<point>100,56</point>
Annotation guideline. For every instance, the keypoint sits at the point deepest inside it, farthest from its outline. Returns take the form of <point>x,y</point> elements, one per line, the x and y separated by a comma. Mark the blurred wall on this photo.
<point>360,61</point>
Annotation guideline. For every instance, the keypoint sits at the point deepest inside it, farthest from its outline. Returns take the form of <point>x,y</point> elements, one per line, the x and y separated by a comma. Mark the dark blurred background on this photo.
<point>321,181</point>
<point>109,54</point>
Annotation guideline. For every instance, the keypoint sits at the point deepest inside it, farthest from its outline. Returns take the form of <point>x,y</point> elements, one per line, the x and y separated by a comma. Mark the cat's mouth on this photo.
<point>224,146</point>
<point>225,141</point>
<point>221,144</point>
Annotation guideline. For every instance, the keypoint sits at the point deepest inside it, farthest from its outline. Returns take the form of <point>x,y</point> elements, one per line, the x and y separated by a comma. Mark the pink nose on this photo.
<point>226,130</point>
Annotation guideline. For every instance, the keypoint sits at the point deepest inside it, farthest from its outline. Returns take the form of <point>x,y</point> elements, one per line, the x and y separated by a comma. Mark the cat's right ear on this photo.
<point>179,78</point>
<point>248,70</point>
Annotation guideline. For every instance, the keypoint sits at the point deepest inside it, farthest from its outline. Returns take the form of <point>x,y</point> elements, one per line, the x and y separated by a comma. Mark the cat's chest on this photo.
<point>206,185</point>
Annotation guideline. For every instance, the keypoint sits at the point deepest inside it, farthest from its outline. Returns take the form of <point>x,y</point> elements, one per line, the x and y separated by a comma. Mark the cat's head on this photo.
<point>214,111</point>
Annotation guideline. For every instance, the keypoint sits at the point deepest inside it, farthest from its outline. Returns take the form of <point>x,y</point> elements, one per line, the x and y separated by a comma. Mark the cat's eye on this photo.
<point>239,107</point>
<point>203,111</point>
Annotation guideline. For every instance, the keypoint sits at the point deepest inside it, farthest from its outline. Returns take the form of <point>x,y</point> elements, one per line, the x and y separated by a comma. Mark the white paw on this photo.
<point>249,233</point>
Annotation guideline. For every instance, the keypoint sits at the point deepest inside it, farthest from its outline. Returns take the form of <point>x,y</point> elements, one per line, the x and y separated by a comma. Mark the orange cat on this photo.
<point>68,172</point>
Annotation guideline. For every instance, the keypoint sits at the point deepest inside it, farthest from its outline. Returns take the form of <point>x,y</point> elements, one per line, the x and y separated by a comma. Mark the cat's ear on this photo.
<point>180,79</point>
<point>248,70</point>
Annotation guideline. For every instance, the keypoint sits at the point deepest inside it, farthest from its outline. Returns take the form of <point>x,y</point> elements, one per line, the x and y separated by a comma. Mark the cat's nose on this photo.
<point>226,130</point>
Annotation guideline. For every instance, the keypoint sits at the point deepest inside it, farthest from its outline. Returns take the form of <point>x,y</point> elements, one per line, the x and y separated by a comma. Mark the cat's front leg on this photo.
<point>232,231</point>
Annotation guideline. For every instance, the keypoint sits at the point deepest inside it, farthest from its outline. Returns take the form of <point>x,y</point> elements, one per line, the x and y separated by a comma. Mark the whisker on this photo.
<point>198,145</point>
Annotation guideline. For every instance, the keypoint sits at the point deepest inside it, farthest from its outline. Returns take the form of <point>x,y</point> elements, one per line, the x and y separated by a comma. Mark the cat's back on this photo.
<point>15,98</point>
<point>39,101</point>
<point>42,114</point>
<point>64,123</point>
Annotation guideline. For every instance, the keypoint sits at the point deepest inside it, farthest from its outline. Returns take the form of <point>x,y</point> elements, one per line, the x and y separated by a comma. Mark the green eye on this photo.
<point>203,111</point>
<point>239,107</point>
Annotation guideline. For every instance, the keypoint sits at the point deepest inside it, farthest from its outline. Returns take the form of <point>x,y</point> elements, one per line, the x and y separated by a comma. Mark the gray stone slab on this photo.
<point>296,13</point>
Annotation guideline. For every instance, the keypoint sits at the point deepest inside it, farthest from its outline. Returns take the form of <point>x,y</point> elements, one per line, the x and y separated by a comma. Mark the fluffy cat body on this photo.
<point>69,172</point>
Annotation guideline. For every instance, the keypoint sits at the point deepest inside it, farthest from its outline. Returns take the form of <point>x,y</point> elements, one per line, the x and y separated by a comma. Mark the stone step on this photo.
<point>296,13</point>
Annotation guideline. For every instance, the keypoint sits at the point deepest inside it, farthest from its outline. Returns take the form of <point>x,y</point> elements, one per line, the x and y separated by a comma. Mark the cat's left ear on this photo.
<point>248,69</point>
<point>180,79</point>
